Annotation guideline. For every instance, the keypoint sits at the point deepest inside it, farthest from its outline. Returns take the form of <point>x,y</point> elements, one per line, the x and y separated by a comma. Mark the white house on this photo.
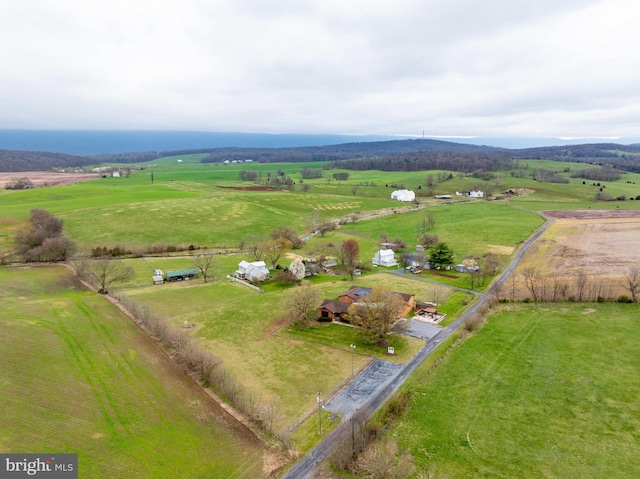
<point>403,195</point>
<point>385,257</point>
<point>250,271</point>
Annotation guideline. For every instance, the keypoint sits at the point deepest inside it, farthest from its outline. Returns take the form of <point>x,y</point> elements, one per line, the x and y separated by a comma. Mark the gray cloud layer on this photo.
<point>455,67</point>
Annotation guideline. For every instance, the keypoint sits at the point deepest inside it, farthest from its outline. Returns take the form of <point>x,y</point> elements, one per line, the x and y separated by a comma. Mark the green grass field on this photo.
<point>538,392</point>
<point>184,204</point>
<point>236,323</point>
<point>76,376</point>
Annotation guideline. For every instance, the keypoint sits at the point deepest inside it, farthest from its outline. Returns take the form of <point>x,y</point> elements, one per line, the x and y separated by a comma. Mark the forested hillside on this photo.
<point>395,155</point>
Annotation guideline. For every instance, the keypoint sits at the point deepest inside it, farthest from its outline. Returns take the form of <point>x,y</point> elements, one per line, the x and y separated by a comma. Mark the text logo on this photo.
<point>46,466</point>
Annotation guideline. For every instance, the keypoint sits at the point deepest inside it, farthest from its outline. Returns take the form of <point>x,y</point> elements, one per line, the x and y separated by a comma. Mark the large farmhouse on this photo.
<point>256,270</point>
<point>385,257</point>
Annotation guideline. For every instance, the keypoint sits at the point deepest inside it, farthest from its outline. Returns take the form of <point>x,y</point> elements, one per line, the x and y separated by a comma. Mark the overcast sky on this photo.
<point>563,68</point>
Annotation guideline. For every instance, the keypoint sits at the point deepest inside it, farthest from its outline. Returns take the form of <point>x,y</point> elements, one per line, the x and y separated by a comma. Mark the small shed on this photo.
<point>462,268</point>
<point>157,279</point>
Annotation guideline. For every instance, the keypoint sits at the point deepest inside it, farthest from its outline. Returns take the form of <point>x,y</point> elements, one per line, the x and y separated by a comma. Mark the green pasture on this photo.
<point>221,217</point>
<point>76,376</point>
<point>244,328</point>
<point>539,392</point>
<point>474,228</point>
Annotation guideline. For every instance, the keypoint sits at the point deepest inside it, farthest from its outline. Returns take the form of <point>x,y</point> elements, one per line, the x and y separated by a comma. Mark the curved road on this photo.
<point>350,400</point>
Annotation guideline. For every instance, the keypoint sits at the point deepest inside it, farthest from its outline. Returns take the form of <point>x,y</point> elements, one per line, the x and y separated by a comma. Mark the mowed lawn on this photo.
<point>76,376</point>
<point>539,392</point>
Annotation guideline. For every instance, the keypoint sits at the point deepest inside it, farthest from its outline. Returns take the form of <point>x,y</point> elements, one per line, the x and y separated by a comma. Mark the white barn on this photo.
<point>385,257</point>
<point>403,195</point>
<point>471,194</point>
<point>250,271</point>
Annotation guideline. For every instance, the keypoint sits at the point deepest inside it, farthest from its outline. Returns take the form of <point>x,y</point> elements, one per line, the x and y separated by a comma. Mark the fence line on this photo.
<point>246,283</point>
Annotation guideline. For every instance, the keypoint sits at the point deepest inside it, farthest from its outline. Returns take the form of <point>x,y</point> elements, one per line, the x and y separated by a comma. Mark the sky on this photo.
<point>450,68</point>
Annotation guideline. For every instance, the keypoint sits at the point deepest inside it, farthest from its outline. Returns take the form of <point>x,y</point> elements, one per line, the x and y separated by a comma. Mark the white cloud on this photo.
<point>456,67</point>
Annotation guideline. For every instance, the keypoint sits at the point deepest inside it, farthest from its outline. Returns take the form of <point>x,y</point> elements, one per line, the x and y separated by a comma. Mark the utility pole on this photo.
<point>353,350</point>
<point>320,407</point>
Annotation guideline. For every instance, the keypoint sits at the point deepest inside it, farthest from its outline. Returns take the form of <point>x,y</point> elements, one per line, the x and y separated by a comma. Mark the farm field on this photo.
<point>78,376</point>
<point>538,392</point>
<point>209,206</point>
<point>598,243</point>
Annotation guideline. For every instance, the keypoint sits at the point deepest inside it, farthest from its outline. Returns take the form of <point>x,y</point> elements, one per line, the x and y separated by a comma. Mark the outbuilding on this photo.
<point>182,274</point>
<point>403,195</point>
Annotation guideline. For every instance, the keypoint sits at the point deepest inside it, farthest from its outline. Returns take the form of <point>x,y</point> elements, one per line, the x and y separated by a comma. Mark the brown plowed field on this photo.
<point>604,244</point>
<point>47,178</point>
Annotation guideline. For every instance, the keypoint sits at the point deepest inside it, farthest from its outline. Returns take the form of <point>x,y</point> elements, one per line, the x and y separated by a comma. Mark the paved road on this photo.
<point>389,379</point>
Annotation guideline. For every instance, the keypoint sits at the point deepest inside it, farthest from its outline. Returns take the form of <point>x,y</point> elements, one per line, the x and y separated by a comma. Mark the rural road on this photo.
<point>374,385</point>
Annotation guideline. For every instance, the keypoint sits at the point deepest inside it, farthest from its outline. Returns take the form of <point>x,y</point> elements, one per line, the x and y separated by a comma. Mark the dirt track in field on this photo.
<point>47,178</point>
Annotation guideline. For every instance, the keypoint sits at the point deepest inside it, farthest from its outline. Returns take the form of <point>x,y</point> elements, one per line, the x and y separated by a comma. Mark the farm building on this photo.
<point>182,274</point>
<point>385,257</point>
<point>417,260</point>
<point>256,270</point>
<point>463,268</point>
<point>403,195</point>
<point>471,193</point>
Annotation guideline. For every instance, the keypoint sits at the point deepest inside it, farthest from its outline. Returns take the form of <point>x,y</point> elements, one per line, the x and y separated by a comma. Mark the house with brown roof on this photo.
<point>356,293</point>
<point>333,309</point>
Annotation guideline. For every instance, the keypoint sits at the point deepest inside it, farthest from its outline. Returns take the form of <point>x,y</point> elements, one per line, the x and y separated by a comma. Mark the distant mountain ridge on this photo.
<point>623,156</point>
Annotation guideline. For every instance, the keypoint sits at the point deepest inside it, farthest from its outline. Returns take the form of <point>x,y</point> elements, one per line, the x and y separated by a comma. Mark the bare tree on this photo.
<point>533,282</point>
<point>204,262</point>
<point>428,239</point>
<point>354,189</point>
<point>326,227</point>
<point>274,249</point>
<point>377,312</point>
<point>103,272</point>
<point>513,284</point>
<point>632,282</point>
<point>253,244</point>
<point>490,267</point>
<point>581,284</point>
<point>349,255</point>
<point>436,294</point>
<point>383,459</point>
<point>301,302</point>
